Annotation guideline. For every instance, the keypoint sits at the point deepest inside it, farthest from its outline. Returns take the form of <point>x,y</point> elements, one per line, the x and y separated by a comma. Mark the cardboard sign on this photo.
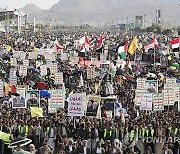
<point>26,62</point>
<point>138,97</point>
<point>57,98</point>
<point>75,105</point>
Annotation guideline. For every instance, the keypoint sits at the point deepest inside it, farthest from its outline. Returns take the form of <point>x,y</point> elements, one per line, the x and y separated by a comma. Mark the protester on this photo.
<point>112,122</point>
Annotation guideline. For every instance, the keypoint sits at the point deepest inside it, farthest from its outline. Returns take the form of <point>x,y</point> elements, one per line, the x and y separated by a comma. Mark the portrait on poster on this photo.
<point>151,86</point>
<point>32,98</point>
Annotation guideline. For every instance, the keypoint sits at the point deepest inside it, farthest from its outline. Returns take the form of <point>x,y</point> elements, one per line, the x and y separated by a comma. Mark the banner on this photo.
<point>23,70</point>
<point>151,86</point>
<point>57,98</point>
<point>18,99</point>
<point>43,70</point>
<point>90,72</point>
<point>169,97</point>
<point>141,83</point>
<point>58,78</point>
<point>93,103</point>
<point>1,88</point>
<point>32,98</point>
<point>13,62</point>
<point>26,62</point>
<point>158,102</point>
<point>75,104</point>
<point>146,102</point>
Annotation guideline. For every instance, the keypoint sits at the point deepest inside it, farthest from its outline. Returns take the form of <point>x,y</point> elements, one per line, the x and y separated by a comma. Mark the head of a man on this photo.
<point>33,96</point>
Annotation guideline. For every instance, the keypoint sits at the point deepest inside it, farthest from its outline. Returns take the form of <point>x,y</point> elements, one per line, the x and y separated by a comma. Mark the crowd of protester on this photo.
<point>125,133</point>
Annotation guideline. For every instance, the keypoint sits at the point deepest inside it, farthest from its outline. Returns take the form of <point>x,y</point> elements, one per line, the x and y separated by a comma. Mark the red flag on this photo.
<point>100,43</point>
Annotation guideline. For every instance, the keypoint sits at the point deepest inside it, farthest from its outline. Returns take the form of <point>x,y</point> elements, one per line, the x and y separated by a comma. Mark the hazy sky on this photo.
<point>11,4</point>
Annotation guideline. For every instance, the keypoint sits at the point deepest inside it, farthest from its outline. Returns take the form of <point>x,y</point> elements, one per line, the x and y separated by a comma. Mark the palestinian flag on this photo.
<point>175,43</point>
<point>122,50</point>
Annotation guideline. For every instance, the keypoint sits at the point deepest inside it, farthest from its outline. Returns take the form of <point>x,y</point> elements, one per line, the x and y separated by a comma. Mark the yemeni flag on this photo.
<point>122,49</point>
<point>175,43</point>
<point>100,43</point>
<point>58,47</point>
<point>153,44</point>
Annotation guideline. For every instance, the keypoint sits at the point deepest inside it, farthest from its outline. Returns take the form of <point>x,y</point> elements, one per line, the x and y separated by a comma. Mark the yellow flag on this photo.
<point>7,89</point>
<point>8,47</point>
<point>36,112</point>
<point>133,46</point>
<point>35,49</point>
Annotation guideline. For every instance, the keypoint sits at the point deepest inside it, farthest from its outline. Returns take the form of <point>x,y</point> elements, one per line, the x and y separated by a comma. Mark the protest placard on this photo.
<point>13,62</point>
<point>58,78</point>
<point>22,55</point>
<point>54,67</point>
<point>23,70</point>
<point>32,55</point>
<point>151,86</point>
<point>158,102</point>
<point>93,103</point>
<point>75,104</point>
<point>18,99</point>
<point>43,70</point>
<point>26,62</point>
<point>146,102</point>
<point>177,92</point>
<point>138,96</point>
<point>64,56</point>
<point>13,80</point>
<point>169,97</point>
<point>57,98</point>
<point>91,72</point>
<point>32,98</point>
<point>141,83</point>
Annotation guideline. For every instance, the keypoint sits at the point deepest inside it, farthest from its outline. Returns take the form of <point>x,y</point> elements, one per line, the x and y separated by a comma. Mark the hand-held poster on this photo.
<point>146,102</point>
<point>57,98</point>
<point>58,78</point>
<point>75,105</point>
<point>18,99</point>
<point>93,103</point>
<point>158,102</point>
<point>32,98</point>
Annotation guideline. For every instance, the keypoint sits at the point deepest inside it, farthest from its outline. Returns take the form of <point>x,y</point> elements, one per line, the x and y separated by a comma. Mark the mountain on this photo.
<point>32,9</point>
<point>101,11</point>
